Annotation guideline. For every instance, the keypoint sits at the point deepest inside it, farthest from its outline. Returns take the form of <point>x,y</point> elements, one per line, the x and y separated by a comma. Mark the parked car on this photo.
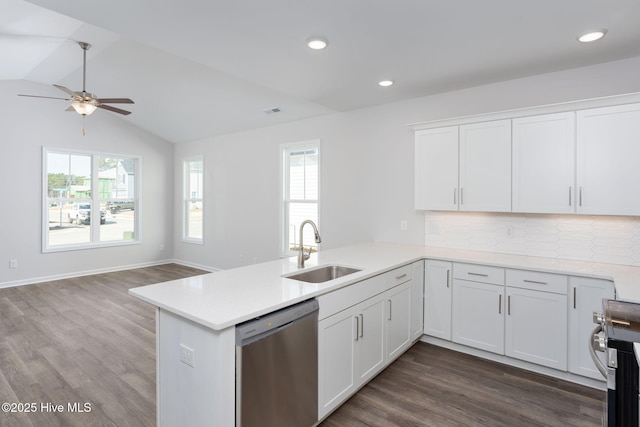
<point>117,205</point>
<point>81,214</point>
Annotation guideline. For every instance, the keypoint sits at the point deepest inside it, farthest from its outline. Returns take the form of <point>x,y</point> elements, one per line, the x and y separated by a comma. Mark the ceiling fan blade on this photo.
<point>115,101</point>
<point>114,109</point>
<point>47,97</point>
<point>69,91</point>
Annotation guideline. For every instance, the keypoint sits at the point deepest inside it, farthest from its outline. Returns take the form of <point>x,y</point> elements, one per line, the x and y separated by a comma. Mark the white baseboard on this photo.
<point>70,275</point>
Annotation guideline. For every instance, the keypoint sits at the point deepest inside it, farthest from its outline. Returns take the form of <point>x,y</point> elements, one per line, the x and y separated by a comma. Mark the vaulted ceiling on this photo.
<point>204,68</point>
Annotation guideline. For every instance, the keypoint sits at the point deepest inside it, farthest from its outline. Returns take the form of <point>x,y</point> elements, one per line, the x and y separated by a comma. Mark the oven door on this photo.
<point>622,384</point>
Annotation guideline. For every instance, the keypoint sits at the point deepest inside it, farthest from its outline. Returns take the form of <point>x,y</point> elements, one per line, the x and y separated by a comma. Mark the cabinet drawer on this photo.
<point>399,275</point>
<point>537,281</point>
<point>479,273</point>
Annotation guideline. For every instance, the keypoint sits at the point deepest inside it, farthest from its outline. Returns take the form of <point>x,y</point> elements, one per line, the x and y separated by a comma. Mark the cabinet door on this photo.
<point>437,299</point>
<point>608,151</point>
<point>586,296</point>
<point>417,300</point>
<point>485,166</point>
<point>536,327</point>
<point>370,346</point>
<point>337,336</point>
<point>436,169</point>
<point>398,316</point>
<point>478,315</point>
<point>544,163</point>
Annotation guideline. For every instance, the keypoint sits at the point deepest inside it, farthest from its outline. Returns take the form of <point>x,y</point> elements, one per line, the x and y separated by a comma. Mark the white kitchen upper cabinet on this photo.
<point>485,166</point>
<point>436,169</point>
<point>543,162</point>
<point>437,299</point>
<point>608,150</point>
<point>536,327</point>
<point>586,296</point>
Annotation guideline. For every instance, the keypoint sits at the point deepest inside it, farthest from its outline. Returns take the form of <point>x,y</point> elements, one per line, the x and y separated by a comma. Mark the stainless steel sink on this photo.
<point>322,274</point>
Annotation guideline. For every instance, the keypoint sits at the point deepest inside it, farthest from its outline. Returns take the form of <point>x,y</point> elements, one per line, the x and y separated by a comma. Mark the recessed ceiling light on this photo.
<point>592,36</point>
<point>317,43</point>
<point>385,83</point>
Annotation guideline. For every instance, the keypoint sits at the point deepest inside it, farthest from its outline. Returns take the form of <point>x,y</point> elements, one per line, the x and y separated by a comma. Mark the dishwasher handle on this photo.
<point>262,327</point>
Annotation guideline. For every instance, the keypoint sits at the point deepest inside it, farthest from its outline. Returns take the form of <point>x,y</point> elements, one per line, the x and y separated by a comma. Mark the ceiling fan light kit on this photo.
<point>86,103</point>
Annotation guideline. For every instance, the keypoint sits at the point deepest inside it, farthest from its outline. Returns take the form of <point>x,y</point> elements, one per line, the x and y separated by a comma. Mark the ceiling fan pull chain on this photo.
<point>84,133</point>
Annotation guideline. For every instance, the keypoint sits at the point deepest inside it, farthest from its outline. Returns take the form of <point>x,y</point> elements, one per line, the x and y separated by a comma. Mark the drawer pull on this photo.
<point>477,274</point>
<point>401,276</point>
<point>535,282</point>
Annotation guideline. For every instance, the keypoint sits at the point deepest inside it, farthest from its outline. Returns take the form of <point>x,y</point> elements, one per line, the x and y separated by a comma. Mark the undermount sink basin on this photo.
<point>322,274</point>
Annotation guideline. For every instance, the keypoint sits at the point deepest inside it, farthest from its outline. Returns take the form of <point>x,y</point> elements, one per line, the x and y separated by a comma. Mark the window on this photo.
<point>193,199</point>
<point>75,183</point>
<point>300,193</point>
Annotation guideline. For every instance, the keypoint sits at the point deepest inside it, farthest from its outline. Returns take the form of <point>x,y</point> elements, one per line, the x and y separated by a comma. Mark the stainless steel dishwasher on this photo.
<point>277,368</point>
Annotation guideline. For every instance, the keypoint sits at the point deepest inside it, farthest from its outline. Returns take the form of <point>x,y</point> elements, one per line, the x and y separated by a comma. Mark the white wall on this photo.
<point>27,124</point>
<point>367,165</point>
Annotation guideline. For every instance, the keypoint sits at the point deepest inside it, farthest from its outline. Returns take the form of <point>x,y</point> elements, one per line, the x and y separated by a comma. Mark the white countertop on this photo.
<point>225,298</point>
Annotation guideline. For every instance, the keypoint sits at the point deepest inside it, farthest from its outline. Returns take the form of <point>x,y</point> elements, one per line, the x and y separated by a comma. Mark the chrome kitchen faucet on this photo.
<point>302,257</point>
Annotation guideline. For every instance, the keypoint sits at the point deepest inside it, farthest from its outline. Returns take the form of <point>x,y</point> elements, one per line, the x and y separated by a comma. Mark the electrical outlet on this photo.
<point>403,225</point>
<point>187,355</point>
<point>13,263</point>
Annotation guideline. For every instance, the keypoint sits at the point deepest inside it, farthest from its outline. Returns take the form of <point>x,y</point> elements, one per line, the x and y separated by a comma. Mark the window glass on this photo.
<point>193,199</point>
<point>300,189</point>
<point>78,182</point>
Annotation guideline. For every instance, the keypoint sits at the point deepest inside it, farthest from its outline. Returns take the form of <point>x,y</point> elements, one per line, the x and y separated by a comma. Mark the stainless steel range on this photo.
<point>617,334</point>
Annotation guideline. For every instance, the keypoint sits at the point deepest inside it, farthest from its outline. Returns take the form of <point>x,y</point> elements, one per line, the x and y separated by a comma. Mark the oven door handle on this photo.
<point>592,351</point>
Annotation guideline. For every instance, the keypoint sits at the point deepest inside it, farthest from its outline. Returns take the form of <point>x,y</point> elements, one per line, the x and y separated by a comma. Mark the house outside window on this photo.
<point>193,217</point>
<point>300,193</point>
<point>75,182</point>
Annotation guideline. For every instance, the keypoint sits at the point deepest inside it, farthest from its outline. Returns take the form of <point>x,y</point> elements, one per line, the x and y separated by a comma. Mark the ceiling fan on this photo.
<point>84,102</point>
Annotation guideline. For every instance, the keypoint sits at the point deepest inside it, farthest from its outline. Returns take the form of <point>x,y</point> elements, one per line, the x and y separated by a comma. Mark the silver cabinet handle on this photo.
<point>477,274</point>
<point>401,276</point>
<point>461,195</point>
<point>580,197</point>
<point>509,305</point>
<point>569,196</point>
<point>448,272</point>
<point>500,304</point>
<point>361,325</point>
<point>535,282</point>
<point>389,309</point>
<point>575,303</point>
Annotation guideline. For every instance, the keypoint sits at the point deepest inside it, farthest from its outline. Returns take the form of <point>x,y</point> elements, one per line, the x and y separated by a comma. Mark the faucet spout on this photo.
<point>302,257</point>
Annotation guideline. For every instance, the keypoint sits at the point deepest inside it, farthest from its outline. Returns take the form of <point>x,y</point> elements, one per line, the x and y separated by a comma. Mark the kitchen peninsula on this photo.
<point>200,314</point>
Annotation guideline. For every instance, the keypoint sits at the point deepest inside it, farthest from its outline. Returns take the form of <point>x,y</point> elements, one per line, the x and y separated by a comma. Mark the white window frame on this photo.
<point>284,191</point>
<point>188,199</point>
<point>94,240</point>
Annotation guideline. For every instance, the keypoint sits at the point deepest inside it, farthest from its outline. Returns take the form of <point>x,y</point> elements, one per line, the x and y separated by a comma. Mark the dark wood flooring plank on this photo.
<point>81,340</point>
<point>433,386</point>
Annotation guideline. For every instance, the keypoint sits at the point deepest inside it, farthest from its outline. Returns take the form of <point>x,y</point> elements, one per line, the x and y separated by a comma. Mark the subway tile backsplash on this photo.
<point>609,239</point>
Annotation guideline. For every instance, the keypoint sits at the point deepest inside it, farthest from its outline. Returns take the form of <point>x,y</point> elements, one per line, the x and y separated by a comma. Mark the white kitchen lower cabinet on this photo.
<point>536,327</point>
<point>417,300</point>
<point>360,340</point>
<point>370,345</point>
<point>437,299</point>
<point>586,296</point>
<point>336,359</point>
<point>478,315</point>
<point>398,321</point>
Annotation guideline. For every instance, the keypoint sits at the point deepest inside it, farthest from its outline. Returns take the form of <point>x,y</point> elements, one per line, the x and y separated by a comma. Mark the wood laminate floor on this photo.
<point>85,340</point>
